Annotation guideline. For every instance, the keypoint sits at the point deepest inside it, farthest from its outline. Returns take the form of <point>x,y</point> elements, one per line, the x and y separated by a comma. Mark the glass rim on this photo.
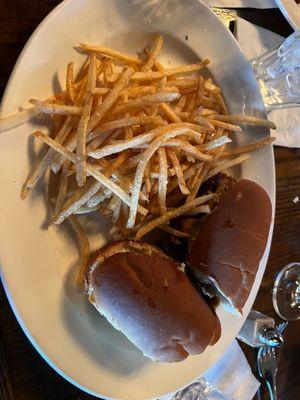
<point>275,291</point>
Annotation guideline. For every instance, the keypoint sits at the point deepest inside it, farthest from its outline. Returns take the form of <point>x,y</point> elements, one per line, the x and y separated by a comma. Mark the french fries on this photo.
<point>189,149</point>
<point>245,119</point>
<point>63,187</point>
<point>247,148</point>
<point>112,97</point>
<point>146,101</point>
<point>158,42</point>
<point>135,141</point>
<point>155,75</point>
<point>179,172</point>
<point>126,144</point>
<point>129,121</point>
<point>106,51</point>
<point>163,219</point>
<point>81,141</point>
<point>227,164</point>
<point>197,181</point>
<point>77,200</point>
<point>174,232</point>
<point>17,119</point>
<point>225,125</point>
<point>70,81</point>
<point>199,210</point>
<point>171,132</point>
<point>44,164</point>
<point>170,112</point>
<point>50,108</point>
<point>90,169</point>
<point>84,248</point>
<point>162,180</point>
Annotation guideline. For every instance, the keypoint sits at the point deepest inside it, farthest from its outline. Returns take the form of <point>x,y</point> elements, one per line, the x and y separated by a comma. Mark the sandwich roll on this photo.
<point>145,294</point>
<point>230,244</point>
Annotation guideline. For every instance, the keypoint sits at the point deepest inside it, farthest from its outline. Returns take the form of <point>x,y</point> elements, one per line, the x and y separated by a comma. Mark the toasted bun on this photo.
<point>144,294</point>
<point>230,245</point>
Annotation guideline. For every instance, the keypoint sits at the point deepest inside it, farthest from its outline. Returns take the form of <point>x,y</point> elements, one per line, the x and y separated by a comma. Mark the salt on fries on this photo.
<point>134,140</point>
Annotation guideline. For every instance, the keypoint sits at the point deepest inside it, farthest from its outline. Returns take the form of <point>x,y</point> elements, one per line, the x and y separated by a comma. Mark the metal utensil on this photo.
<point>267,368</point>
<point>273,336</point>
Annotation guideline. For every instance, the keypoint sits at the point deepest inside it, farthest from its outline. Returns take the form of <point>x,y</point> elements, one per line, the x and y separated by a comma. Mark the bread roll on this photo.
<point>229,246</point>
<point>145,294</point>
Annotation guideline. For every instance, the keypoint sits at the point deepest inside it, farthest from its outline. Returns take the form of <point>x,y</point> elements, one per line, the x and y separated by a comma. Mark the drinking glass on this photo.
<point>286,292</point>
<point>278,74</point>
<point>201,389</point>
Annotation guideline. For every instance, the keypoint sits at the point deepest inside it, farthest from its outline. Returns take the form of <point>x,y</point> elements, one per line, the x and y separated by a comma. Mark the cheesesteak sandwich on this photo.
<point>145,294</point>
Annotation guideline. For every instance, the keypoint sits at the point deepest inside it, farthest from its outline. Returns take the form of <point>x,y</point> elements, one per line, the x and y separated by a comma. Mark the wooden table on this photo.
<point>24,375</point>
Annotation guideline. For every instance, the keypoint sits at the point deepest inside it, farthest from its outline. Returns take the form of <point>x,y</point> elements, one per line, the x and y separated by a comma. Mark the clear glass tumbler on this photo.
<point>200,390</point>
<point>278,74</point>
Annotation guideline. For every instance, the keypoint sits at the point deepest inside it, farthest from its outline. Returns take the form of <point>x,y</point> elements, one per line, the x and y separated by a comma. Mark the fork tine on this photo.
<point>267,368</point>
<point>273,352</point>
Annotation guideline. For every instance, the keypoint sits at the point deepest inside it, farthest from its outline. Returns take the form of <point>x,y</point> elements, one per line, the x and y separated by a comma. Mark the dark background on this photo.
<point>24,375</point>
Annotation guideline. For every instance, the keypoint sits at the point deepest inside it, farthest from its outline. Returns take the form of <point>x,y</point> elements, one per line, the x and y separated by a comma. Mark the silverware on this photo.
<point>267,368</point>
<point>273,336</point>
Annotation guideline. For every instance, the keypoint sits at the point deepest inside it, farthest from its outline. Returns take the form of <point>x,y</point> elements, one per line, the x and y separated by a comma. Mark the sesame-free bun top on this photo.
<point>229,246</point>
<point>144,294</point>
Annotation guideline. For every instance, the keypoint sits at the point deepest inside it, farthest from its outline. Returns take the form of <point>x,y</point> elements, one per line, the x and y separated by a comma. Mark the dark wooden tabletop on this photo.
<point>24,375</point>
